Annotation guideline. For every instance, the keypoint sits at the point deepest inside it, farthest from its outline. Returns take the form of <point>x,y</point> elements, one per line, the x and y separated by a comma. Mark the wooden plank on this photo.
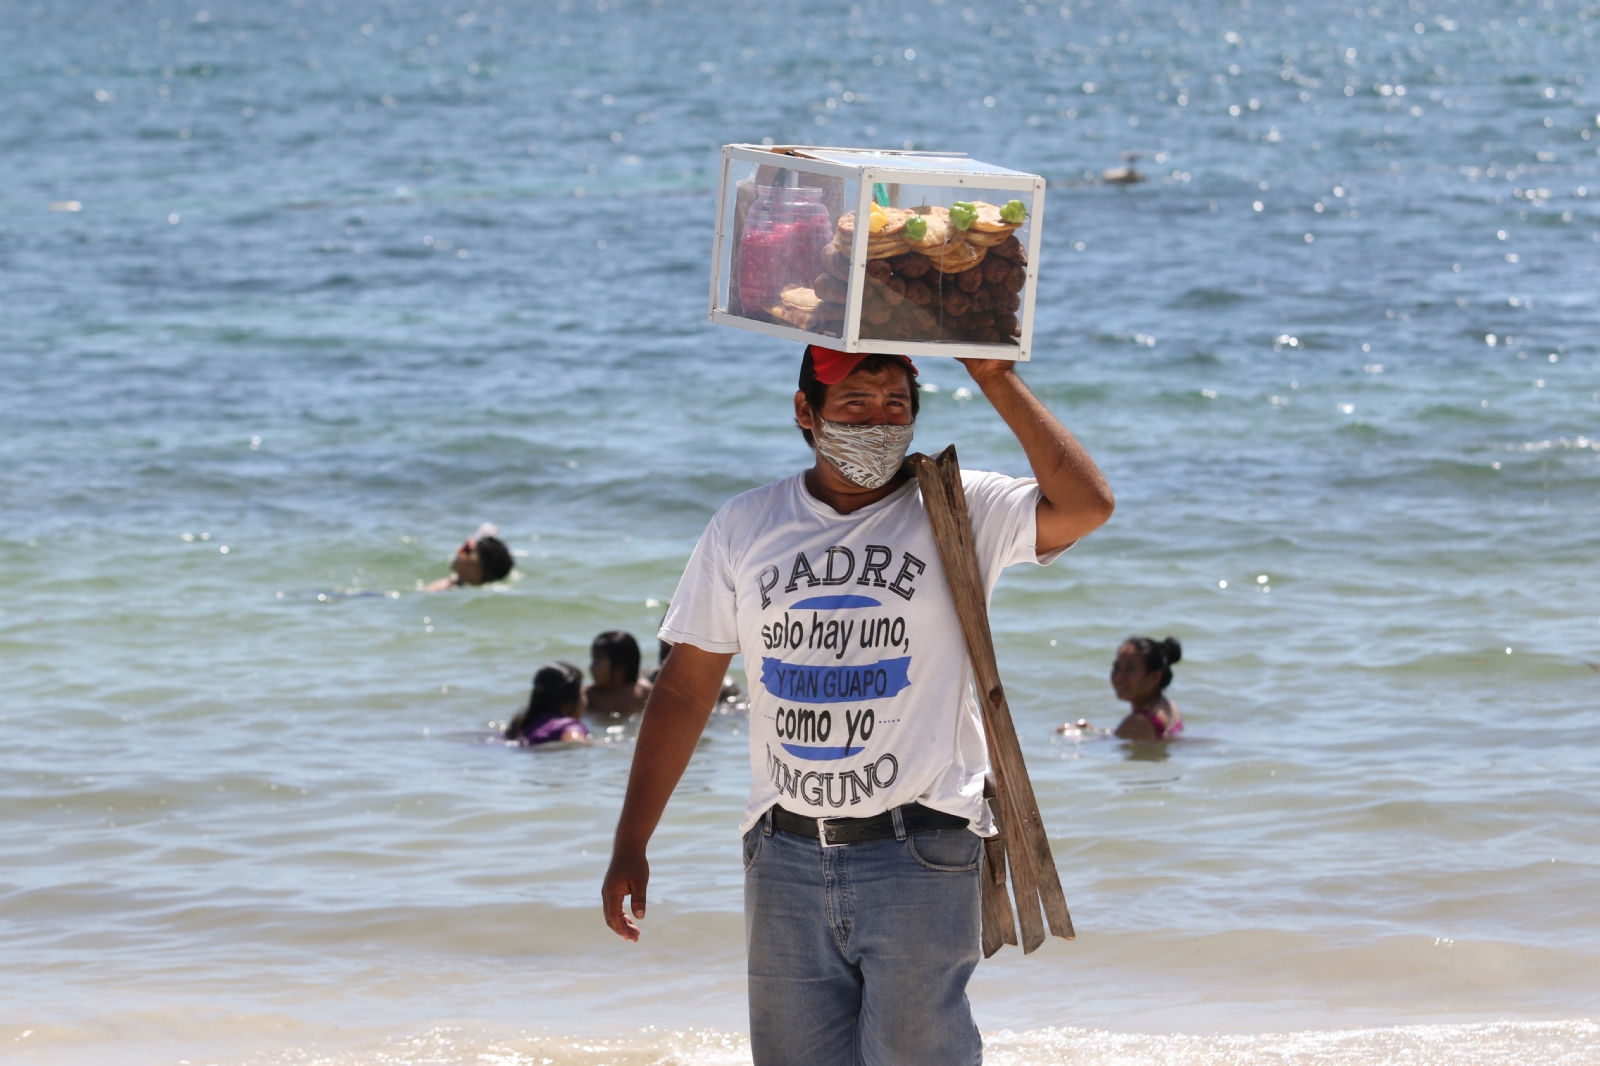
<point>999,924</point>
<point>1034,837</point>
<point>959,554</point>
<point>996,905</point>
<point>999,726</point>
<point>1034,879</point>
<point>945,501</point>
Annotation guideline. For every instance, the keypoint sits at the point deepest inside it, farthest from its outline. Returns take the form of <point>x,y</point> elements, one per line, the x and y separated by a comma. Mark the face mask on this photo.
<point>867,456</point>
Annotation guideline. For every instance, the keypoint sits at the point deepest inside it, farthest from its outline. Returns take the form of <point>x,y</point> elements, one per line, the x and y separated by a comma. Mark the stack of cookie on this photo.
<point>945,284</point>
<point>887,241</point>
<point>805,308</point>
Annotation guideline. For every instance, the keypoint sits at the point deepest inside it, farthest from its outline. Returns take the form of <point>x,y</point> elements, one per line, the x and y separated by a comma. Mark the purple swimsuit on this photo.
<point>550,731</point>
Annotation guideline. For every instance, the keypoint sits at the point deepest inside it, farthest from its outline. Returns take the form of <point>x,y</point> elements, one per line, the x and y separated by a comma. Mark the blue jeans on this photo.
<point>859,955</point>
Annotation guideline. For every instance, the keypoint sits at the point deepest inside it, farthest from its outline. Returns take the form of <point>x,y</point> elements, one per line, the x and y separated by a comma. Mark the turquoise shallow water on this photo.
<point>346,280</point>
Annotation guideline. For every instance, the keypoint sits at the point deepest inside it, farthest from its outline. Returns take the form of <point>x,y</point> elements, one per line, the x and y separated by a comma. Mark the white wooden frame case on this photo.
<point>876,166</point>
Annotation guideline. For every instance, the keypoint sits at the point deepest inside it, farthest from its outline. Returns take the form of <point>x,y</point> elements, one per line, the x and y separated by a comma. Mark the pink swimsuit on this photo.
<point>1150,715</point>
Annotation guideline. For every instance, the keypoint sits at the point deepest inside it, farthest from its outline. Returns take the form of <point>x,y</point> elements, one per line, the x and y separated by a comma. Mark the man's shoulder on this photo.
<point>757,502</point>
<point>985,486</point>
<point>971,478</point>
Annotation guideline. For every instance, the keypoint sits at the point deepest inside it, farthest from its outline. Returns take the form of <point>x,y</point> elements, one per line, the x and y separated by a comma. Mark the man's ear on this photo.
<point>802,411</point>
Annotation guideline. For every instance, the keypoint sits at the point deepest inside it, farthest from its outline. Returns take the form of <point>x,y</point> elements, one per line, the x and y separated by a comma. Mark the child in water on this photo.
<point>1140,675</point>
<point>730,701</point>
<point>553,708</point>
<point>482,558</point>
<point>617,691</point>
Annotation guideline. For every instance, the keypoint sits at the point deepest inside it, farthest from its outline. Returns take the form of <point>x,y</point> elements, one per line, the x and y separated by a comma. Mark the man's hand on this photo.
<point>628,875</point>
<point>985,371</point>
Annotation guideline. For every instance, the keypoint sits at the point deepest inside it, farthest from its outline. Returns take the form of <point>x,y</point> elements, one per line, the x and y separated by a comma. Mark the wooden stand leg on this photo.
<point>999,925</point>
<point>1026,849</point>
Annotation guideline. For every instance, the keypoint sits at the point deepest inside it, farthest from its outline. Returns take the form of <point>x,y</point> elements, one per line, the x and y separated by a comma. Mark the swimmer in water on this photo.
<point>1140,675</point>
<point>553,708</point>
<point>482,558</point>
<point>617,692</point>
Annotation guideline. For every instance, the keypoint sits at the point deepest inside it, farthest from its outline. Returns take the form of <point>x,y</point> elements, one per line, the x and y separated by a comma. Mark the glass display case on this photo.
<point>944,263</point>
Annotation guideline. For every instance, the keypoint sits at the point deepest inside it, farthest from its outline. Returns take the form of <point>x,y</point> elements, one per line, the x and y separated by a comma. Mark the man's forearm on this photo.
<point>1070,482</point>
<point>660,757</point>
<point>674,717</point>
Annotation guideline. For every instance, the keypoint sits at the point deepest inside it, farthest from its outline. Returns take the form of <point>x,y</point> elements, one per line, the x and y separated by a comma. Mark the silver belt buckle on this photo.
<point>822,833</point>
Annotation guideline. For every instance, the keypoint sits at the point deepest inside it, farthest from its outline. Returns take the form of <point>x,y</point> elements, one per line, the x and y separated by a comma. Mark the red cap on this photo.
<point>832,366</point>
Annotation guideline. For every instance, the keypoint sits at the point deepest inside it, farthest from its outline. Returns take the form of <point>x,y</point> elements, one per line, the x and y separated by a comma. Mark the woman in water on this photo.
<point>553,708</point>
<point>1140,675</point>
<point>482,558</point>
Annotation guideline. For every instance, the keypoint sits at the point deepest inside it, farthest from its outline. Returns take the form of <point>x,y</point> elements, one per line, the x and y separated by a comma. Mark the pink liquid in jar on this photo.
<point>813,232</point>
<point>764,263</point>
<point>784,234</point>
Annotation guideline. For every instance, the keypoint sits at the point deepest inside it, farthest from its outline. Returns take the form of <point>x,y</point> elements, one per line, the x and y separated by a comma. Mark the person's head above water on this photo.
<point>482,558</point>
<point>557,693</point>
<point>1143,668</point>
<point>614,659</point>
<point>857,411</point>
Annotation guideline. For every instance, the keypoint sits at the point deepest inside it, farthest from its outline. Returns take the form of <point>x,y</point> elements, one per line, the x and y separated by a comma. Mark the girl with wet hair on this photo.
<point>481,559</point>
<point>1140,675</point>
<point>553,708</point>
<point>618,692</point>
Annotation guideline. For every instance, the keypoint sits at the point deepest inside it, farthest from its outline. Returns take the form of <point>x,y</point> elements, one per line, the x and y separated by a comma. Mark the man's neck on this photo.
<point>830,487</point>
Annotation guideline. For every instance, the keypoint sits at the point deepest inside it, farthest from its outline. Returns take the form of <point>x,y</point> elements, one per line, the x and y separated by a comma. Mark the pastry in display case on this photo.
<point>941,266</point>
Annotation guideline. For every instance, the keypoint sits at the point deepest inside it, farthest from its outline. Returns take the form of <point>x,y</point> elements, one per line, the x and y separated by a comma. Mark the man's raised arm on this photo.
<point>675,716</point>
<point>1077,501</point>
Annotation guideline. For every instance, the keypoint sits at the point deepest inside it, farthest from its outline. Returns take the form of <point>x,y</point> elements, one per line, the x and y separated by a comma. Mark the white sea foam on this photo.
<point>275,1041</point>
<point>1567,1043</point>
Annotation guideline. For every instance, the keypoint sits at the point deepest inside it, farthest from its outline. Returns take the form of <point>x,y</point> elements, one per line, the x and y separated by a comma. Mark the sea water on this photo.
<point>295,294</point>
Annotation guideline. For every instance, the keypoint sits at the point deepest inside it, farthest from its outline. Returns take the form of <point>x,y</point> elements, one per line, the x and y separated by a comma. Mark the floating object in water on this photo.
<point>1121,176</point>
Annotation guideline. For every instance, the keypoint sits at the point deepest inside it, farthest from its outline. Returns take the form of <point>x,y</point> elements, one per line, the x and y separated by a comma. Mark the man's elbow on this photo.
<point>1061,527</point>
<point>1092,512</point>
<point>1101,507</point>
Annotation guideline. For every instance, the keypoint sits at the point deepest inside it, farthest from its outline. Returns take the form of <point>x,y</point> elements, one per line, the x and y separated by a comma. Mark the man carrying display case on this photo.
<point>863,835</point>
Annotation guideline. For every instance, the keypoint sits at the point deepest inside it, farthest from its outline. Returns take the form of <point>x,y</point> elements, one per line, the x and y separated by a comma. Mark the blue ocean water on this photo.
<point>294,295</point>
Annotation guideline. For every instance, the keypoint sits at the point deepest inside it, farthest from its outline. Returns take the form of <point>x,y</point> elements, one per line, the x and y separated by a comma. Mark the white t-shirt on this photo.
<point>860,694</point>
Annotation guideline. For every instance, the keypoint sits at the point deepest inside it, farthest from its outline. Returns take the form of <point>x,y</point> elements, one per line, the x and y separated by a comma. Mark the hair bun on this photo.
<point>1173,649</point>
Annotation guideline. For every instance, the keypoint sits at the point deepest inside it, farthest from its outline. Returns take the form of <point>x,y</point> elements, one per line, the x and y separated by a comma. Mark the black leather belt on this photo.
<point>835,831</point>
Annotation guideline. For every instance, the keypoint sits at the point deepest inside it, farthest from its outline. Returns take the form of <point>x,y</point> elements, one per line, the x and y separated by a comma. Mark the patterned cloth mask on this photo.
<point>867,456</point>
